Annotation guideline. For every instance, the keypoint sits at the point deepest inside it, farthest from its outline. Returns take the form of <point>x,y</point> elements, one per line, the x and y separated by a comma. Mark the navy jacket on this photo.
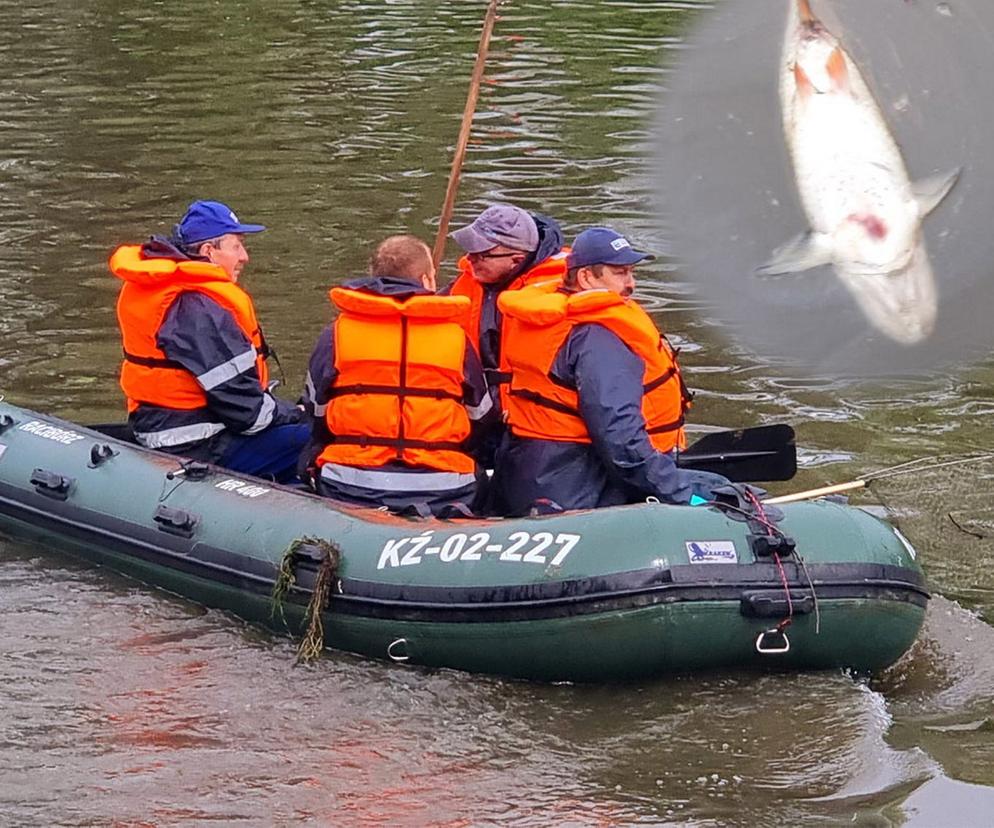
<point>620,465</point>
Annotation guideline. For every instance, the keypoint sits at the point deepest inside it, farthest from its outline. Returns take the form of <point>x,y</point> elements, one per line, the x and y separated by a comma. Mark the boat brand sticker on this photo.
<point>520,547</point>
<point>708,552</point>
<point>241,487</point>
<point>50,432</point>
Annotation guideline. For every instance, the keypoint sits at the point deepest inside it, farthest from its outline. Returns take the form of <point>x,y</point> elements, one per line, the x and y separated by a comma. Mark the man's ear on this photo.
<point>585,278</point>
<point>428,282</point>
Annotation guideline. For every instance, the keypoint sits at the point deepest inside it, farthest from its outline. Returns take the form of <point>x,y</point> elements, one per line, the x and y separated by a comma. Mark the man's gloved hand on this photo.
<point>702,485</point>
<point>287,413</point>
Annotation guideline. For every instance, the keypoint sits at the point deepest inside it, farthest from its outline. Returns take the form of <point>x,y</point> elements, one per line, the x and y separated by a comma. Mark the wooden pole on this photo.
<point>467,123</point>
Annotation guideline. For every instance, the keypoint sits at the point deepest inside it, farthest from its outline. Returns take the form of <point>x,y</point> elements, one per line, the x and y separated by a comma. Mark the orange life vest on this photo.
<point>537,322</point>
<point>552,268</point>
<point>399,390</point>
<point>150,288</point>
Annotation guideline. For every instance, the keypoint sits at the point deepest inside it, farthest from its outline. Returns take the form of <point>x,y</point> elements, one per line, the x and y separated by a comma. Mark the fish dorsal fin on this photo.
<point>805,89</point>
<point>837,70</point>
<point>804,10</point>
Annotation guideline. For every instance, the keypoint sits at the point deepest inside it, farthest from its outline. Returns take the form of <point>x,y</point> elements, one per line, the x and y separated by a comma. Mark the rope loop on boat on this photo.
<point>328,555</point>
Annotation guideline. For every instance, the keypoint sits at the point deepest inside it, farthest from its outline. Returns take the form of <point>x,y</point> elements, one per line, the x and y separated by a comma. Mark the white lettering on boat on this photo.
<point>50,432</point>
<point>709,552</point>
<point>3,448</point>
<point>390,556</point>
<point>241,487</point>
<point>542,548</point>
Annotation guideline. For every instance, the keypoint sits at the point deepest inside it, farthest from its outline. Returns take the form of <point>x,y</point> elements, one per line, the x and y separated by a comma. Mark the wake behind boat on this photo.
<point>618,593</point>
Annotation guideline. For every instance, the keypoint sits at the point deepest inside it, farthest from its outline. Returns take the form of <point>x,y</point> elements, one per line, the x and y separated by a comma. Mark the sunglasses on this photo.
<point>493,255</point>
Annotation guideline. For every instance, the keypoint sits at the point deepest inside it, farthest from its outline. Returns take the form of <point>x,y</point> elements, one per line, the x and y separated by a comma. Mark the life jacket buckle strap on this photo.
<point>152,362</point>
<point>393,391</point>
<point>539,399</point>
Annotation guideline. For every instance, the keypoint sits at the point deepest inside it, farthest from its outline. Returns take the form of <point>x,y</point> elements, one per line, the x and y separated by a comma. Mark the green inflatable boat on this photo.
<point>620,593</point>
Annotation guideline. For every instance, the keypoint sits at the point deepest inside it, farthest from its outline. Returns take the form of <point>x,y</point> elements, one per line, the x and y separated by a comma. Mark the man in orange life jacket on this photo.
<point>395,389</point>
<point>195,371</point>
<point>596,401</point>
<point>506,248</point>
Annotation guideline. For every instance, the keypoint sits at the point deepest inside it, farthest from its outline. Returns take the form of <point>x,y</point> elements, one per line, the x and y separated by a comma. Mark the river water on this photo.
<point>333,124</point>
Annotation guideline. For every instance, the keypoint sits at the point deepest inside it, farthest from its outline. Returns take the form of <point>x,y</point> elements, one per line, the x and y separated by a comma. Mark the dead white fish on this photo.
<point>865,214</point>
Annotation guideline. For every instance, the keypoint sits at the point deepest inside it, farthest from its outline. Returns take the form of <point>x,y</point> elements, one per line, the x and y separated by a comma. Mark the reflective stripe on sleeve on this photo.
<point>394,481</point>
<point>169,437</point>
<point>227,370</point>
<point>478,412</point>
<point>312,395</point>
<point>266,412</point>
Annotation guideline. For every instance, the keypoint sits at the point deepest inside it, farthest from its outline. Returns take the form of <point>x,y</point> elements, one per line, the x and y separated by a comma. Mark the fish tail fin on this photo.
<point>838,72</point>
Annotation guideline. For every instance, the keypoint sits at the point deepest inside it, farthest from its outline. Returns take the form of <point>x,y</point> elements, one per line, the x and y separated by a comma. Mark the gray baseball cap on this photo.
<point>501,224</point>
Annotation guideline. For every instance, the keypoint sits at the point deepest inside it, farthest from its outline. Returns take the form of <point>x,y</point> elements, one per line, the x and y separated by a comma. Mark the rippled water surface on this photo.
<point>334,125</point>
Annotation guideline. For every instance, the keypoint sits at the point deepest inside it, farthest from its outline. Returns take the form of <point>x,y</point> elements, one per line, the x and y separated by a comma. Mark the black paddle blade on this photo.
<point>748,455</point>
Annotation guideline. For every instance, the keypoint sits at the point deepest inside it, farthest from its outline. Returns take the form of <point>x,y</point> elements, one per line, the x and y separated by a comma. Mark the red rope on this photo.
<point>761,512</point>
<point>786,588</point>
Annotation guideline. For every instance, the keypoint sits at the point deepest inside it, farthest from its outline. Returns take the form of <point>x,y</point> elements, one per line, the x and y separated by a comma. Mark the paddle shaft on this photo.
<point>467,123</point>
<point>912,467</point>
<point>838,488</point>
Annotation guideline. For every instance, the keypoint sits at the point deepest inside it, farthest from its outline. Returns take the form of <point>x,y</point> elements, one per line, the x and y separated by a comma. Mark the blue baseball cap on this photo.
<point>209,220</point>
<point>601,245</point>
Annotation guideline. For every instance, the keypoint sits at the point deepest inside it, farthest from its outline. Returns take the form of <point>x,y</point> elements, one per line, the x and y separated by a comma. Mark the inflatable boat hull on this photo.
<point>621,593</point>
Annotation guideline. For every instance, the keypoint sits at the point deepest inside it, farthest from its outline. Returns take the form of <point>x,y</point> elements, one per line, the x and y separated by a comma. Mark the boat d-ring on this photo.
<point>772,642</point>
<point>397,651</point>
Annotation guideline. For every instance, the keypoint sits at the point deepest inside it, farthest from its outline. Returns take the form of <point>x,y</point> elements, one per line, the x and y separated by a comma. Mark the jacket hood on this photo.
<point>550,238</point>
<point>163,247</point>
<point>393,286</point>
<point>550,242</point>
